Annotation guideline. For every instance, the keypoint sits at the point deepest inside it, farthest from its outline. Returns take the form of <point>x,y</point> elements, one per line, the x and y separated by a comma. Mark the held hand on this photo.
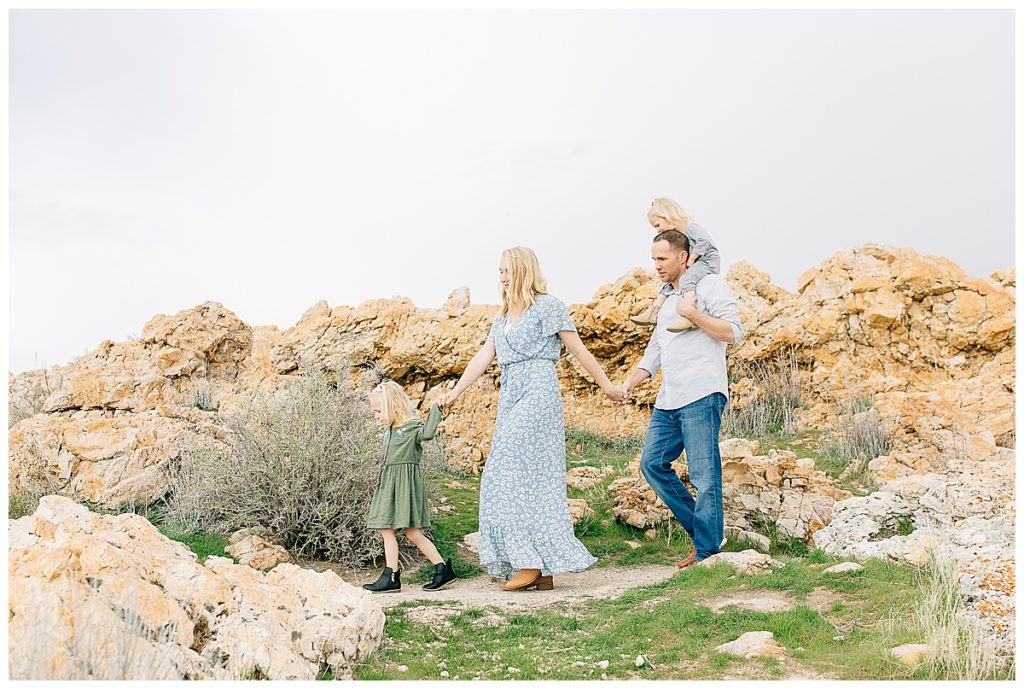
<point>614,394</point>
<point>446,400</point>
<point>627,392</point>
<point>687,304</point>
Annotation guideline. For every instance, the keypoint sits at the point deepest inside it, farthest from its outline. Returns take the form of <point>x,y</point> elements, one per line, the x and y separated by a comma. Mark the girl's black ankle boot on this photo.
<point>388,581</point>
<point>443,575</point>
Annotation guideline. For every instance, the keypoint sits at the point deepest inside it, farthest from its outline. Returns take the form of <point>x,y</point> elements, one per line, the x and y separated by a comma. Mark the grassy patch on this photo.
<point>672,625</point>
<point>587,446</point>
<point>202,544</point>
<point>21,504</point>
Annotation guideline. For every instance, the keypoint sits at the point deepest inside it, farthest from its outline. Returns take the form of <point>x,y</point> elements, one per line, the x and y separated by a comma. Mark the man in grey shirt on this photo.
<point>694,390</point>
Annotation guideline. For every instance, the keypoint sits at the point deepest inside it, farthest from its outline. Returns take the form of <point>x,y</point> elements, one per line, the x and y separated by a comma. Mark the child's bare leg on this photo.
<point>390,549</point>
<point>417,538</point>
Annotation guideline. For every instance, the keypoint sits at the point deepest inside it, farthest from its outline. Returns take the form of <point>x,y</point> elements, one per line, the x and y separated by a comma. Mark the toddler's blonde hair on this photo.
<point>525,280</point>
<point>671,211</point>
<point>394,403</point>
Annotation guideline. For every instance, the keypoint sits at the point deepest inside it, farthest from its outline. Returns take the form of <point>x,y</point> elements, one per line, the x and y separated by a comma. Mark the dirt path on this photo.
<point>482,591</point>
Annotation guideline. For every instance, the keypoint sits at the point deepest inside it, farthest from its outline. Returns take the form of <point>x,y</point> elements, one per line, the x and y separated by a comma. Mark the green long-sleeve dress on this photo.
<point>400,500</point>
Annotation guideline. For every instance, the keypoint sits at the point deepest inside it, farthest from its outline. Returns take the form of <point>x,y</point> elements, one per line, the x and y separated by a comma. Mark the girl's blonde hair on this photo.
<point>394,403</point>
<point>671,211</point>
<point>525,280</point>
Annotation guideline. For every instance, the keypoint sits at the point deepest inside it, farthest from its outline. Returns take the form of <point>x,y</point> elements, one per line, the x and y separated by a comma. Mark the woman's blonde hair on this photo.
<point>525,280</point>
<point>395,404</point>
<point>671,211</point>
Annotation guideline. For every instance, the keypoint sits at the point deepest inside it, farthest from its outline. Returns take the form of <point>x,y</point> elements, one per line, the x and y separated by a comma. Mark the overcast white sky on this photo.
<point>268,160</point>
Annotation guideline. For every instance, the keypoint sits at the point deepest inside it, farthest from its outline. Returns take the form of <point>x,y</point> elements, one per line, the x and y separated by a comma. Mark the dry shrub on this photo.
<point>302,462</point>
<point>771,411</point>
<point>861,436</point>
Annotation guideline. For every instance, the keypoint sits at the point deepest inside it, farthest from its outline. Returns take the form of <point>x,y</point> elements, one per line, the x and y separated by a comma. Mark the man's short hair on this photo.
<point>676,239</point>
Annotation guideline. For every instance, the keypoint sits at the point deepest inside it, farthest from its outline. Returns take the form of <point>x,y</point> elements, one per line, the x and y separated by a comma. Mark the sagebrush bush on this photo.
<point>302,462</point>
<point>771,412</point>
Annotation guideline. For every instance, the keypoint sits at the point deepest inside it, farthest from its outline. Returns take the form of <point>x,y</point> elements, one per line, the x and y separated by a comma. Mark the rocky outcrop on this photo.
<point>255,550</point>
<point>105,457</point>
<point>109,597</point>
<point>168,365</point>
<point>965,516</point>
<point>776,488</point>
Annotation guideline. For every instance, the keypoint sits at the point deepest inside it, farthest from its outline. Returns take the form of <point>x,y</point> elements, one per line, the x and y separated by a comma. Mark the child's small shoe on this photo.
<point>682,325</point>
<point>648,317</point>
<point>388,582</point>
<point>443,575</point>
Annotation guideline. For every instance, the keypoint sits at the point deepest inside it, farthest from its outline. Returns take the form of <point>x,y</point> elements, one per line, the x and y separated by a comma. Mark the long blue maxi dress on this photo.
<point>524,516</point>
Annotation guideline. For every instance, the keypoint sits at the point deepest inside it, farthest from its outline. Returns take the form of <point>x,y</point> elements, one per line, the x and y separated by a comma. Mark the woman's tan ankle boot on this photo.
<point>524,579</point>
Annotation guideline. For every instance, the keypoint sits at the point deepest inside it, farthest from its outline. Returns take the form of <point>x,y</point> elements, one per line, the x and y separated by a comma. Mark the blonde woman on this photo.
<point>665,214</point>
<point>400,501</point>
<point>525,528</point>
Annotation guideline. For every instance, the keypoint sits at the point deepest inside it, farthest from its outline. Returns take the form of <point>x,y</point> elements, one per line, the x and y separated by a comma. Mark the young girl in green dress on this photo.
<point>400,501</point>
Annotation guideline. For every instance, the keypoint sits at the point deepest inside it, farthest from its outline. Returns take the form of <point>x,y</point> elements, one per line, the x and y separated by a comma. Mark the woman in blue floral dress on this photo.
<point>525,528</point>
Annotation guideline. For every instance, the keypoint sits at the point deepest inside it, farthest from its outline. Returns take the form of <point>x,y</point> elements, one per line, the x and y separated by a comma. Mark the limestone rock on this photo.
<point>754,644</point>
<point>257,552</point>
<point>843,567</point>
<point>746,562</point>
<point>109,597</point>
<point>584,477</point>
<point>759,541</point>
<point>911,654</point>
<point>738,449</point>
<point>167,365</point>
<point>965,516</point>
<point>579,509</point>
<point>105,458</point>
<point>777,488</point>
<point>472,541</point>
<point>889,323</point>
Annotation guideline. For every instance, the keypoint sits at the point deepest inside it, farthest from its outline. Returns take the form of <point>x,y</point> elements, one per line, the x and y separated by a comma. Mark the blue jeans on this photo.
<point>695,429</point>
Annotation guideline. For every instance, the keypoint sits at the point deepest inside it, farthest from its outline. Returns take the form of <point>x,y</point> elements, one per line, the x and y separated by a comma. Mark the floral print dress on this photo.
<point>524,515</point>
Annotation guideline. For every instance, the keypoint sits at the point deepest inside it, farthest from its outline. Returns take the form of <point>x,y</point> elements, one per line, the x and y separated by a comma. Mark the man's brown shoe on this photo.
<point>691,556</point>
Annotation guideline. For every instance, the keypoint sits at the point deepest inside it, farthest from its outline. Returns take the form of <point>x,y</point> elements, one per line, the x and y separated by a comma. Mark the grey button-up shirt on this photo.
<point>692,362</point>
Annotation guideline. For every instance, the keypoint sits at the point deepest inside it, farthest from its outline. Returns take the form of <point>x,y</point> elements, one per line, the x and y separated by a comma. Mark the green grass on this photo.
<point>21,504</point>
<point>672,625</point>
<point>584,445</point>
<point>202,544</point>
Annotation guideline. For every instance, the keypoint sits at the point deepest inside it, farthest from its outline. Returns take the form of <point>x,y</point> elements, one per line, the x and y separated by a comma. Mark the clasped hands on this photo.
<point>619,394</point>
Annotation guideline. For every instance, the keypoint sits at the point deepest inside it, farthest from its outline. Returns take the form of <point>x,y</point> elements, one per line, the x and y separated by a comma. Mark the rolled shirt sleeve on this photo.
<point>720,302</point>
